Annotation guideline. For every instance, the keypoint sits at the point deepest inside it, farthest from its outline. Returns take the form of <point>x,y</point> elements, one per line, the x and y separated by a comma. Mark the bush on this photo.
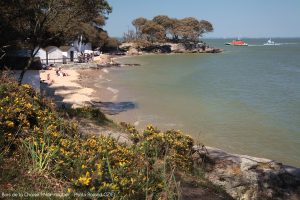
<point>31,127</point>
<point>172,144</point>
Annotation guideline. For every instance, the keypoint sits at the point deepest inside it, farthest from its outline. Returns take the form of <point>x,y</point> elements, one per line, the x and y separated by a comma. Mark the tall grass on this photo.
<point>40,153</point>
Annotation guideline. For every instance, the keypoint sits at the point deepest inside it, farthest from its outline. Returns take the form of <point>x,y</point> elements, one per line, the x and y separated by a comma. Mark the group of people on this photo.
<point>59,72</point>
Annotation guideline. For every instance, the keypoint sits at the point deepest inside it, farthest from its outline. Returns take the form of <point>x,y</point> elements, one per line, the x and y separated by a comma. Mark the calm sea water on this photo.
<point>245,100</point>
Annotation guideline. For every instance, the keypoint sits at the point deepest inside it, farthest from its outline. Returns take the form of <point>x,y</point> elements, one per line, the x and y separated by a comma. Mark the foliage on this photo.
<point>171,144</point>
<point>138,23</point>
<point>152,31</point>
<point>92,163</point>
<point>41,152</point>
<point>111,44</point>
<point>36,23</point>
<point>87,113</point>
<point>165,22</point>
<point>163,28</point>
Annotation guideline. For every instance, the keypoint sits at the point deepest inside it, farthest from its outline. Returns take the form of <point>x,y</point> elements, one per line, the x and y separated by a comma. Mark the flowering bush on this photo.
<point>24,113</point>
<point>172,144</point>
<point>144,170</point>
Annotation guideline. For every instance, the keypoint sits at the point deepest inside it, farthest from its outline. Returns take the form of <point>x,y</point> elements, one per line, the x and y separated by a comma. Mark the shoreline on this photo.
<point>106,98</point>
<point>250,173</point>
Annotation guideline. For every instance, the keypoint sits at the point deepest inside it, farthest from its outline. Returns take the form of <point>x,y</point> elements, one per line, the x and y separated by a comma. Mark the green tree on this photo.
<point>34,24</point>
<point>138,23</point>
<point>111,44</point>
<point>153,31</point>
<point>187,29</point>
<point>167,23</point>
<point>190,29</point>
<point>205,27</point>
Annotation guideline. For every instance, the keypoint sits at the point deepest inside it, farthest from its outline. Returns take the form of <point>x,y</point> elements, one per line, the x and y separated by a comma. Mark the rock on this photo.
<point>132,51</point>
<point>246,177</point>
<point>135,49</point>
<point>126,46</point>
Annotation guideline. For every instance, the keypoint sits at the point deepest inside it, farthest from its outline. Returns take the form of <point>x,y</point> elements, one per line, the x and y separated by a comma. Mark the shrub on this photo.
<point>173,144</point>
<point>31,124</point>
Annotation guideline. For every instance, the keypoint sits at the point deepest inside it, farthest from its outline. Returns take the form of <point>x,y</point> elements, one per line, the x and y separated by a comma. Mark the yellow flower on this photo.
<point>26,86</point>
<point>55,134</point>
<point>28,105</point>
<point>85,180</point>
<point>98,166</point>
<point>52,148</point>
<point>10,123</point>
<point>64,142</point>
<point>122,164</point>
<point>92,142</point>
<point>69,190</point>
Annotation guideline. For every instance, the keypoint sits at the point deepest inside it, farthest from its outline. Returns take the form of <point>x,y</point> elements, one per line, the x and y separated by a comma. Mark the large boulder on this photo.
<point>249,178</point>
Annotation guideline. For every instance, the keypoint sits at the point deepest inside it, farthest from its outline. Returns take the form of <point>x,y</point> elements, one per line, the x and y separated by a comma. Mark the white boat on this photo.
<point>271,43</point>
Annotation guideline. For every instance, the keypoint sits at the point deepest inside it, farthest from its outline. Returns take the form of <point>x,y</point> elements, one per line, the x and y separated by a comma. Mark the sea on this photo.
<point>245,100</point>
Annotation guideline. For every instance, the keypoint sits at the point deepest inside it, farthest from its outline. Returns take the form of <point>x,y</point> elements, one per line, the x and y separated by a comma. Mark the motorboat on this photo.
<point>271,43</point>
<point>237,43</point>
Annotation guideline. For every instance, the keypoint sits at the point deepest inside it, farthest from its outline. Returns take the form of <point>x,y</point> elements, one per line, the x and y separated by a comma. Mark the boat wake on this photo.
<point>255,45</point>
<point>277,44</point>
<point>287,43</point>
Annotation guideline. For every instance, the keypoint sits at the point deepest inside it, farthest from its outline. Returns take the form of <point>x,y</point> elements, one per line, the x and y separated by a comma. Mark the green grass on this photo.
<point>89,113</point>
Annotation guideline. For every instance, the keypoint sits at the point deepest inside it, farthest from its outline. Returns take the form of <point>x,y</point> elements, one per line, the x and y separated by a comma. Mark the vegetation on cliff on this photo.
<point>42,150</point>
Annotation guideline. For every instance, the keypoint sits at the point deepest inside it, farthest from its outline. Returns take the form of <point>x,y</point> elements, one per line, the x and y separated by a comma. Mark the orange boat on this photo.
<point>237,43</point>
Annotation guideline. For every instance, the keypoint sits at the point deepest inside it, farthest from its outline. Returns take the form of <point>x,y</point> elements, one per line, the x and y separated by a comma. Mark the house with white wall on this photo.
<point>69,53</point>
<point>54,54</point>
<point>42,54</point>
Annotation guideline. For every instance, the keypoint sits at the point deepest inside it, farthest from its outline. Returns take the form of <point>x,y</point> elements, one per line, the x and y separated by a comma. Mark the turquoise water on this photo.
<point>245,100</point>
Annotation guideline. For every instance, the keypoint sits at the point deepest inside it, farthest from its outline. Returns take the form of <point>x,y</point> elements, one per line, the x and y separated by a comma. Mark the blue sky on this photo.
<point>231,18</point>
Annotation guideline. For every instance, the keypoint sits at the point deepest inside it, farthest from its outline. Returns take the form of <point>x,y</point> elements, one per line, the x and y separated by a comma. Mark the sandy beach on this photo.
<point>75,89</point>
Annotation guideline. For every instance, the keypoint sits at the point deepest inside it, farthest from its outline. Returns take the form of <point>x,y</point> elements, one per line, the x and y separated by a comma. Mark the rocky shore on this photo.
<point>162,48</point>
<point>247,177</point>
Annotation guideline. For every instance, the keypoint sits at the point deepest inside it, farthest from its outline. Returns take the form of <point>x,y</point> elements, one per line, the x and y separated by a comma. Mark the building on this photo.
<point>69,53</point>
<point>53,55</point>
<point>63,54</point>
<point>42,54</point>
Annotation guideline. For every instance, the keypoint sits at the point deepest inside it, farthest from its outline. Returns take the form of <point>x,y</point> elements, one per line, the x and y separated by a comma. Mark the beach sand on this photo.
<point>65,89</point>
<point>85,87</point>
<point>76,89</point>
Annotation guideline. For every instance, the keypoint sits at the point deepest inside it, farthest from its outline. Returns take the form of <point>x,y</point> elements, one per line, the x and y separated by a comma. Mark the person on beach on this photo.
<point>48,81</point>
<point>60,72</point>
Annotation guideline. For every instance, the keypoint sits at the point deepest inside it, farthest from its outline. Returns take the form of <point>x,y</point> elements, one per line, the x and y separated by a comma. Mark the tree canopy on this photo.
<point>33,24</point>
<point>164,28</point>
<point>38,23</point>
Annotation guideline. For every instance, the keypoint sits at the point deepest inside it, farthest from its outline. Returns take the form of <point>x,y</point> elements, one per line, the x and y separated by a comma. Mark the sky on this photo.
<point>230,18</point>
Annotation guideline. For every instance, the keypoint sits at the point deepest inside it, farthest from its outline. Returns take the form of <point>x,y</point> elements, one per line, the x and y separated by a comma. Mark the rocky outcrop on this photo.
<point>134,49</point>
<point>249,178</point>
<point>130,48</point>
